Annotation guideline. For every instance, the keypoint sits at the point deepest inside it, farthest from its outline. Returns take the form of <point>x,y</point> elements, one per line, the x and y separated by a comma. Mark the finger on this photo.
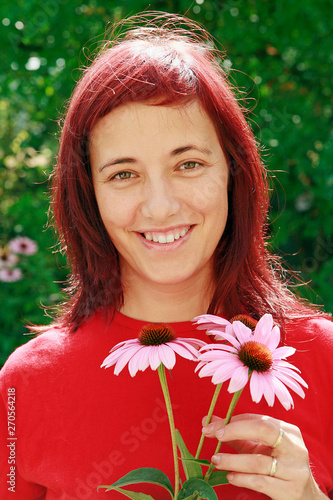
<point>241,446</point>
<point>260,465</point>
<point>211,429</point>
<point>293,432</point>
<point>217,423</point>
<point>253,416</point>
<point>243,422</point>
<point>214,418</point>
<point>253,464</point>
<point>265,430</point>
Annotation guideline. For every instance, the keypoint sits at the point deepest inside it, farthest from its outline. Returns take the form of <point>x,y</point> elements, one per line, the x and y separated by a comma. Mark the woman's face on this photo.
<point>161,184</point>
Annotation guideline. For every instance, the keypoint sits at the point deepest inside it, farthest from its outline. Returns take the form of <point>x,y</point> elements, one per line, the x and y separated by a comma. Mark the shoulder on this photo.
<point>57,352</point>
<point>317,330</point>
<point>42,351</point>
<point>313,340</point>
<point>35,355</point>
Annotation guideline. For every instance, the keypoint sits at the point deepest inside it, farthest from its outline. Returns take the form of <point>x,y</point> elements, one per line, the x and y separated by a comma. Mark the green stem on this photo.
<point>164,384</point>
<point>209,416</point>
<point>232,406</point>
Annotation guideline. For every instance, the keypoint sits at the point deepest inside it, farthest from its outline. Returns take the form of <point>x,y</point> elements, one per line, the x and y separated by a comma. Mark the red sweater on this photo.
<point>78,426</point>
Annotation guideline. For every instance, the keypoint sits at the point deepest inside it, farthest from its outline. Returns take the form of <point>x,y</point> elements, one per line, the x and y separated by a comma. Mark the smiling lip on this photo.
<point>165,239</point>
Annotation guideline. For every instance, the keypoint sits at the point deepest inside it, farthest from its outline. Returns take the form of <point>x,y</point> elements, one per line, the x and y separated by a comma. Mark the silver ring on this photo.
<point>273,468</point>
<point>279,439</point>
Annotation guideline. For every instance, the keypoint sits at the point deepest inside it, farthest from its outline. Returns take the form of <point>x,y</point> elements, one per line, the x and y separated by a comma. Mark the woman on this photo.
<point>160,198</point>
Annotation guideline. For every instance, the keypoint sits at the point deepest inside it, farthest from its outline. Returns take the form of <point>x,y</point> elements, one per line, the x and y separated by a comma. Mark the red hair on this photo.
<point>169,65</point>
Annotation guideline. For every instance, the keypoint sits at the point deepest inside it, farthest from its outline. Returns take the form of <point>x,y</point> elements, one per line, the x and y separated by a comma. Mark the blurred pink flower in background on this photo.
<point>23,245</point>
<point>8,259</point>
<point>8,275</point>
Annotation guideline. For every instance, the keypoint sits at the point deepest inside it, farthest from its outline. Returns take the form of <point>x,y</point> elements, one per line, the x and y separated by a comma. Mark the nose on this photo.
<point>159,200</point>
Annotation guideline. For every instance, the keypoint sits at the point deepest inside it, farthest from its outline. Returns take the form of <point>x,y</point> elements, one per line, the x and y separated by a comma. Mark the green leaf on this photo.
<point>143,475</point>
<point>195,486</point>
<point>218,477</point>
<point>190,466</point>
<point>129,494</point>
<point>198,461</point>
<point>195,496</point>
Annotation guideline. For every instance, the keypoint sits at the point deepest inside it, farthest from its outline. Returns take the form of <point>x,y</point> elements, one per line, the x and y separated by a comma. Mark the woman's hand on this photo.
<point>272,458</point>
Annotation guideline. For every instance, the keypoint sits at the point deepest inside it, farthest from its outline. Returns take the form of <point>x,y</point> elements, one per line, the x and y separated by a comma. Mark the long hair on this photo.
<point>168,64</point>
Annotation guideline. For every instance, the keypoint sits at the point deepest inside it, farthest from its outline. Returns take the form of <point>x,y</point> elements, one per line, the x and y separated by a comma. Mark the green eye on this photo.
<point>189,165</point>
<point>123,176</point>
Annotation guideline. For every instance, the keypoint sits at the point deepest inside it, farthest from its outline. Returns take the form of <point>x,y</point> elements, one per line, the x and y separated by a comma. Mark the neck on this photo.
<point>166,303</point>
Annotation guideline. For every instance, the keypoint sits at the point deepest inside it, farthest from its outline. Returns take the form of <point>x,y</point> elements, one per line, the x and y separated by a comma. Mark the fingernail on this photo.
<point>216,459</point>
<point>207,429</point>
<point>219,433</point>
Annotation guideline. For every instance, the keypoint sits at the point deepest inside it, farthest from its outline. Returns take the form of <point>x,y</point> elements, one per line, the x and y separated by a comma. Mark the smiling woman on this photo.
<point>153,204</point>
<point>160,198</point>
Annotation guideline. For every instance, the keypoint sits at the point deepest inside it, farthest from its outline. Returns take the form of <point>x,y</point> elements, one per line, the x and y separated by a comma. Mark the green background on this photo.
<point>277,52</point>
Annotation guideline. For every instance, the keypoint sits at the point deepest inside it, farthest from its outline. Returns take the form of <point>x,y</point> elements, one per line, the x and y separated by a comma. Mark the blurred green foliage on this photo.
<point>277,52</point>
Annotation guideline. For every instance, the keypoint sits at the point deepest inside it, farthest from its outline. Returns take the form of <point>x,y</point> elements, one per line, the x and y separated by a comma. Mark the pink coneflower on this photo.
<point>215,324</point>
<point>9,275</point>
<point>157,343</point>
<point>8,259</point>
<point>210,322</point>
<point>23,245</point>
<point>255,354</point>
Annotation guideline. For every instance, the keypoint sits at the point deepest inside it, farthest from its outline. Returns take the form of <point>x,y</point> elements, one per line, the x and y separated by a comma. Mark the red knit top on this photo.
<point>78,426</point>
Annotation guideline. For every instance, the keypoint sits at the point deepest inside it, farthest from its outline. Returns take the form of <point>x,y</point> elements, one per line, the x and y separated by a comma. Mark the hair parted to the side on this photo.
<point>169,60</point>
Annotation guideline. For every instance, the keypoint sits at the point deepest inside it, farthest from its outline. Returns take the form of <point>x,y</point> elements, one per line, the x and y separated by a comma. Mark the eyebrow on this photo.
<point>117,161</point>
<point>184,149</point>
<point>175,152</point>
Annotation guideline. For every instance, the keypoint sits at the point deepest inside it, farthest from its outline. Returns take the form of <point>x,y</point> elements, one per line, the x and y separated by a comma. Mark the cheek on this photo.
<point>116,213</point>
<point>210,197</point>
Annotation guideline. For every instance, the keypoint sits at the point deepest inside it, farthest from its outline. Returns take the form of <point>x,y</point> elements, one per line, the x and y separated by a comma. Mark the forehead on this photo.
<point>130,123</point>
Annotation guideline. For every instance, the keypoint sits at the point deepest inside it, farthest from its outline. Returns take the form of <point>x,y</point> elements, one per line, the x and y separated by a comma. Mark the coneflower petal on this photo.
<point>239,379</point>
<point>167,356</point>
<point>256,386</point>
<point>273,338</point>
<point>242,332</point>
<point>283,352</point>
<point>226,371</point>
<point>123,360</point>
<point>282,394</point>
<point>226,336</point>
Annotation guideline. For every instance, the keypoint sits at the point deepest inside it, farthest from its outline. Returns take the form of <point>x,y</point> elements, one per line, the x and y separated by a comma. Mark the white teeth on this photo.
<point>165,238</point>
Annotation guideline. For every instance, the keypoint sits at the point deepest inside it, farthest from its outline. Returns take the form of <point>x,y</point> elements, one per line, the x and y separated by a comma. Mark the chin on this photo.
<point>170,278</point>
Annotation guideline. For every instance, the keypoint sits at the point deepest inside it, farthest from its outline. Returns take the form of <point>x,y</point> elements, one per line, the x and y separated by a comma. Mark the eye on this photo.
<point>190,165</point>
<point>122,176</point>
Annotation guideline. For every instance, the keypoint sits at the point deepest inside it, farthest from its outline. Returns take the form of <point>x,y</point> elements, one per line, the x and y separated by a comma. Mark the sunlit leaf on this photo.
<point>199,487</point>
<point>143,475</point>
<point>129,494</point>
<point>218,477</point>
<point>190,466</point>
<point>197,461</point>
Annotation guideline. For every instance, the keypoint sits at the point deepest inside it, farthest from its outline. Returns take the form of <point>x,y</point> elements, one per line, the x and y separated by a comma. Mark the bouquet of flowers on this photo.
<point>246,351</point>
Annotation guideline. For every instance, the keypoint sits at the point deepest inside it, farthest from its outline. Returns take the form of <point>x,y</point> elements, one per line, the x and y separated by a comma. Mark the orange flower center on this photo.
<point>156,334</point>
<point>256,356</point>
<point>247,320</point>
